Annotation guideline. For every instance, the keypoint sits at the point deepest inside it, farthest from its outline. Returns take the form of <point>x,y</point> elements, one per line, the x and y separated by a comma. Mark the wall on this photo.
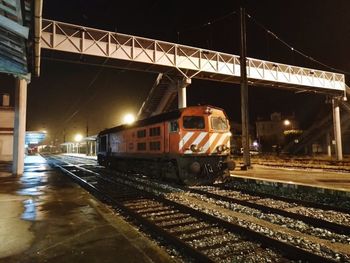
<point>7,116</point>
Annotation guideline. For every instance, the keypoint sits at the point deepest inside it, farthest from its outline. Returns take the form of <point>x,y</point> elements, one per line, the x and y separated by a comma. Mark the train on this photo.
<point>190,146</point>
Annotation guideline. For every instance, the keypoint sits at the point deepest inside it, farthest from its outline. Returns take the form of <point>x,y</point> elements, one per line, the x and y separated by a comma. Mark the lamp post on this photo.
<point>286,122</point>
<point>128,119</point>
<point>78,137</point>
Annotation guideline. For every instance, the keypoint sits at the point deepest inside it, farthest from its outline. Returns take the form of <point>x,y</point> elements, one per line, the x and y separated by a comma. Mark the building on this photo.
<point>85,146</point>
<point>236,137</point>
<point>7,117</point>
<point>272,134</point>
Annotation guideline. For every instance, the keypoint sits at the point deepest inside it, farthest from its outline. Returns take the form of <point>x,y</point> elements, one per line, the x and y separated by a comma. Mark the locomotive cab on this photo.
<point>204,144</point>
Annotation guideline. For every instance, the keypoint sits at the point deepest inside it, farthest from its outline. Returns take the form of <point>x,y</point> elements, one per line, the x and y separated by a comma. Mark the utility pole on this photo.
<point>244,91</point>
<point>337,129</point>
<point>64,135</point>
<point>87,128</point>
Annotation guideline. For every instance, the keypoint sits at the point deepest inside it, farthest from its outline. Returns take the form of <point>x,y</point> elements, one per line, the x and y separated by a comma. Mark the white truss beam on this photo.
<point>163,57</point>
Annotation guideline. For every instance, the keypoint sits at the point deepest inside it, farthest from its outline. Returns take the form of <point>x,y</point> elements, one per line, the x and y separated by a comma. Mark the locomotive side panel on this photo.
<point>174,136</point>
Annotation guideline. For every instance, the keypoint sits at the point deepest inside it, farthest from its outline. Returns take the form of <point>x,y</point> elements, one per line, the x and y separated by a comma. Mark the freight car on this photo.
<point>189,145</point>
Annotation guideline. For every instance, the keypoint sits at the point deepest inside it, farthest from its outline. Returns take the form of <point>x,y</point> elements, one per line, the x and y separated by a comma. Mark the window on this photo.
<point>174,126</point>
<point>141,133</point>
<point>219,123</point>
<point>193,122</point>
<point>141,146</point>
<point>103,143</point>
<point>154,131</point>
<point>154,146</point>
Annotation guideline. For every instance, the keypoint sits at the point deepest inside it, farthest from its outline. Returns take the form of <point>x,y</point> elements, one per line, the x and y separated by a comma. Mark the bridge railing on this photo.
<point>162,57</point>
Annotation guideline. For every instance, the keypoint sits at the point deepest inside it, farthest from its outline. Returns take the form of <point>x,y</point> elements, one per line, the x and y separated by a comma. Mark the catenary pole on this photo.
<point>244,90</point>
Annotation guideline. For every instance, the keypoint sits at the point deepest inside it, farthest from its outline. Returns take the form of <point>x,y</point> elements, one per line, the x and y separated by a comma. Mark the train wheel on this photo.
<point>170,172</point>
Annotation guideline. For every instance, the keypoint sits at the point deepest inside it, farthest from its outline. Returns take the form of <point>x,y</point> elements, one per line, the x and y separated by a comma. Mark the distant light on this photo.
<point>286,122</point>
<point>78,137</point>
<point>255,143</point>
<point>128,119</point>
<point>44,131</point>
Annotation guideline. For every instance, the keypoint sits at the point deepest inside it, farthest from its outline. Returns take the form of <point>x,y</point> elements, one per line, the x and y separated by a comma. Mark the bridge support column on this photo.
<point>181,91</point>
<point>328,142</point>
<point>19,126</point>
<point>337,130</point>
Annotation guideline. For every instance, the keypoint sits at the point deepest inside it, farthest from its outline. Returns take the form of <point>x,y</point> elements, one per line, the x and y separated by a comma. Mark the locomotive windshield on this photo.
<point>193,122</point>
<point>219,123</point>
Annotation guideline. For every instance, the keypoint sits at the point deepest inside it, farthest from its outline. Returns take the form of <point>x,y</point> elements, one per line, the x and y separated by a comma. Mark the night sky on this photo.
<point>67,96</point>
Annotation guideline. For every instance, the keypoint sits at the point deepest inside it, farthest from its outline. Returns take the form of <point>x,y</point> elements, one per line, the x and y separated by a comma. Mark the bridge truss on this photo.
<point>139,53</point>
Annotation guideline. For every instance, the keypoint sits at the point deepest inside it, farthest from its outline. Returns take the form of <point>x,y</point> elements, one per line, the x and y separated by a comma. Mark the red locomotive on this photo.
<point>189,145</point>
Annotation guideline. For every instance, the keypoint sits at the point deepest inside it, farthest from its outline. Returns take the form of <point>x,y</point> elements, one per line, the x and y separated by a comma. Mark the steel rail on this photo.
<point>288,250</point>
<point>338,228</point>
<point>195,254</point>
<point>288,199</point>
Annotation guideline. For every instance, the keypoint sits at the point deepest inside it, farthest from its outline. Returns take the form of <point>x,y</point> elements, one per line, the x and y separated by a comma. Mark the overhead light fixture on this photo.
<point>129,118</point>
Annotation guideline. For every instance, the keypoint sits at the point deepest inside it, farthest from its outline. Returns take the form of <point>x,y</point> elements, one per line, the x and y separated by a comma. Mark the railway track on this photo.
<point>286,208</point>
<point>304,163</point>
<point>201,235</point>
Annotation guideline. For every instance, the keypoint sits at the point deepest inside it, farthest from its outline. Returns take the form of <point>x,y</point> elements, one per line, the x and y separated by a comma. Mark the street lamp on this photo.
<point>78,137</point>
<point>286,122</point>
<point>129,118</point>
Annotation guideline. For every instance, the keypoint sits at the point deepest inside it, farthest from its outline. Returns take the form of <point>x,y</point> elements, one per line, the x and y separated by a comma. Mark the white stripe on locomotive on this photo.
<point>184,139</point>
<point>200,137</point>
<point>197,141</point>
<point>211,139</point>
<point>220,141</point>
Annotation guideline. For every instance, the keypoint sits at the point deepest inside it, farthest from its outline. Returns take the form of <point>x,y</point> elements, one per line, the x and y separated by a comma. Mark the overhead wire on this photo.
<point>75,106</point>
<point>206,24</point>
<point>301,53</point>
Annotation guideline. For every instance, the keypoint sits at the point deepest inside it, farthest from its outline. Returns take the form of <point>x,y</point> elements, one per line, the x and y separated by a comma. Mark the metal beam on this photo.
<point>190,62</point>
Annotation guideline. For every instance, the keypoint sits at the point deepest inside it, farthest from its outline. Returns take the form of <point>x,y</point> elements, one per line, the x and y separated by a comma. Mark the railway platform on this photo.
<point>312,185</point>
<point>315,177</point>
<point>45,217</point>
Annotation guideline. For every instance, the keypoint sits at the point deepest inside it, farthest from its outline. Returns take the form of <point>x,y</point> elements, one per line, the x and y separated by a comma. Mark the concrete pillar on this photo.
<point>19,126</point>
<point>181,91</point>
<point>328,142</point>
<point>337,130</point>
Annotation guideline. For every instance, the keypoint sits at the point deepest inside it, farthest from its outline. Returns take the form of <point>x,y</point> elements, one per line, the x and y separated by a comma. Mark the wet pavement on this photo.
<point>310,177</point>
<point>45,217</point>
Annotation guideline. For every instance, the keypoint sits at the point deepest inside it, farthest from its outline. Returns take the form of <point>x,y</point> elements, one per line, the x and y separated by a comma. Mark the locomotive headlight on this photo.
<point>220,149</point>
<point>195,148</point>
<point>208,110</point>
